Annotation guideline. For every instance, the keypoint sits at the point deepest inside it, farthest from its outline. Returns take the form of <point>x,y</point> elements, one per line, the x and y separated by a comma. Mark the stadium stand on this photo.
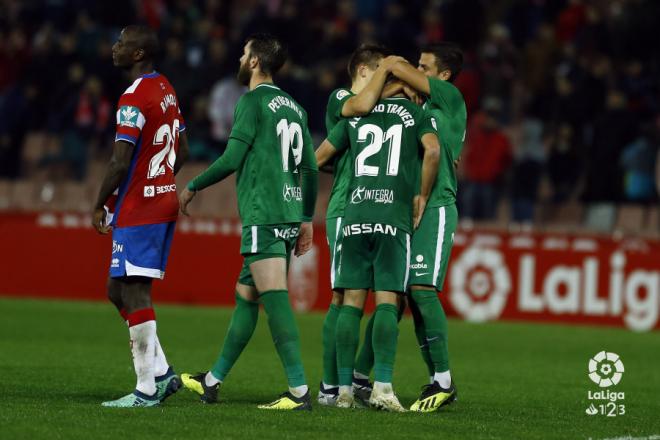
<point>581,112</point>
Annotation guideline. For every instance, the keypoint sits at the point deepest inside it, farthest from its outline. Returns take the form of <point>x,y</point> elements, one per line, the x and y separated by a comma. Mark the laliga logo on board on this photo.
<point>480,284</point>
<point>606,369</point>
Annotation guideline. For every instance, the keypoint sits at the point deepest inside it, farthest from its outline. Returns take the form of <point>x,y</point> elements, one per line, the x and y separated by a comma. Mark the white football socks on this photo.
<point>359,375</point>
<point>143,337</point>
<point>298,391</point>
<point>444,379</point>
<point>160,361</point>
<point>328,387</point>
<point>210,380</point>
<point>383,388</point>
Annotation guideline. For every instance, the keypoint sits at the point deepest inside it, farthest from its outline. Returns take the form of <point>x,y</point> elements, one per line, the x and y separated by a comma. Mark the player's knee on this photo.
<point>247,293</point>
<point>265,284</point>
<point>113,291</point>
<point>386,297</point>
<point>424,294</point>
<point>337,297</point>
<point>353,301</point>
<point>422,288</point>
<point>136,293</point>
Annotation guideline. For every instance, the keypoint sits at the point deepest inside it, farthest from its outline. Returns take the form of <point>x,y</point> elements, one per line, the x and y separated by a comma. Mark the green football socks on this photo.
<point>242,325</point>
<point>365,359</point>
<point>385,334</point>
<point>348,338</point>
<point>284,332</point>
<point>420,333</point>
<point>330,346</point>
<point>434,323</point>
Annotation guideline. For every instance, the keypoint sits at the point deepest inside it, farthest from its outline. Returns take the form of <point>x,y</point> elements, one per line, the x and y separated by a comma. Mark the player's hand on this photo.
<point>412,94</point>
<point>457,162</point>
<point>419,205</point>
<point>388,63</point>
<point>186,197</point>
<point>98,221</point>
<point>304,243</point>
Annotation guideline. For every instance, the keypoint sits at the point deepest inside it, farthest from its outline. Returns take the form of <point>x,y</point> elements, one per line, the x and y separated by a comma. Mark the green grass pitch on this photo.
<point>59,360</point>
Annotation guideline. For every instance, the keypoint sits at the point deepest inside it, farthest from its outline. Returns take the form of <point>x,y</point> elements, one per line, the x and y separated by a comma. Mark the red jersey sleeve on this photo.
<point>130,118</point>
<point>182,122</point>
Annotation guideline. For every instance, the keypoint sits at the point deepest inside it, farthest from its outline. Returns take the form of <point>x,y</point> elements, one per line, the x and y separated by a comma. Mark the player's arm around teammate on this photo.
<point>438,66</point>
<point>364,101</point>
<point>385,327</point>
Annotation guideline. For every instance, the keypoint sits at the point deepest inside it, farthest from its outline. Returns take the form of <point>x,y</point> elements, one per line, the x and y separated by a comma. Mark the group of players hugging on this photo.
<point>393,142</point>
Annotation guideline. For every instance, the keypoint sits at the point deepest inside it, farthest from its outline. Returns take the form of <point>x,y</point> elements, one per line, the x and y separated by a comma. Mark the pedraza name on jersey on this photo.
<point>280,101</point>
<point>369,228</point>
<point>151,190</point>
<point>379,195</point>
<point>396,109</point>
<point>169,100</point>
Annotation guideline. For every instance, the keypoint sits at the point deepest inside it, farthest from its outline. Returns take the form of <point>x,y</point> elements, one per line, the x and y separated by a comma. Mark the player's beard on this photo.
<point>244,74</point>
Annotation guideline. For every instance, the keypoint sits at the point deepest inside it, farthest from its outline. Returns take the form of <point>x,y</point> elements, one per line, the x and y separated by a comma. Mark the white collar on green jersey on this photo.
<point>268,85</point>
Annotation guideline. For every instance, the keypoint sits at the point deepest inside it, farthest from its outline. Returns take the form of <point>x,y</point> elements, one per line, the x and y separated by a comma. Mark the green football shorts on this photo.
<point>373,256</point>
<point>333,235</point>
<point>431,246</point>
<point>266,241</point>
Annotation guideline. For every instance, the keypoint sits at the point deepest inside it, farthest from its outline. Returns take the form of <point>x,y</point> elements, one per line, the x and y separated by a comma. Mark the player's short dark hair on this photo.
<point>269,50</point>
<point>368,54</point>
<point>146,39</point>
<point>448,56</point>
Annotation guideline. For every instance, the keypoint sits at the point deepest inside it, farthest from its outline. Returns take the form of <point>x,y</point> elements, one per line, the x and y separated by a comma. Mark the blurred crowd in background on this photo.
<point>563,96</point>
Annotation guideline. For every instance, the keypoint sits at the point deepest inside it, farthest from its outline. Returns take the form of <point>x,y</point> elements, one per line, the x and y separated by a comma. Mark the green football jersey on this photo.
<point>341,174</point>
<point>447,106</point>
<point>385,162</point>
<point>274,125</point>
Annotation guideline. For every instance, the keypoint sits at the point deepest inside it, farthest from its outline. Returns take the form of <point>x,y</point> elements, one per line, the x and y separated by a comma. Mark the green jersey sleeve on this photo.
<point>338,137</point>
<point>230,161</point>
<point>309,177</point>
<point>427,124</point>
<point>445,95</point>
<point>335,105</point>
<point>246,120</point>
